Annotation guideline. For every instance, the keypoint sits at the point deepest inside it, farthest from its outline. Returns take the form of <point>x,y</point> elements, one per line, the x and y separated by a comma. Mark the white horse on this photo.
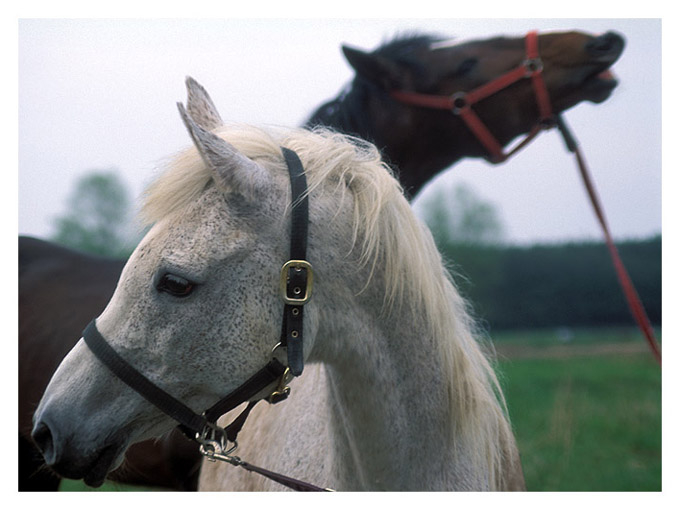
<point>396,393</point>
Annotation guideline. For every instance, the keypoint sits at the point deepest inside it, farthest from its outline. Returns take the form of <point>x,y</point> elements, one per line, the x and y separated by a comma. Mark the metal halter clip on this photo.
<point>214,443</point>
<point>282,391</point>
<point>301,296</point>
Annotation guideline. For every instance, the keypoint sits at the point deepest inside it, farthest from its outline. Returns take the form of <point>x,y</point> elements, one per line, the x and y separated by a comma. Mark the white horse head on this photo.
<point>198,310</point>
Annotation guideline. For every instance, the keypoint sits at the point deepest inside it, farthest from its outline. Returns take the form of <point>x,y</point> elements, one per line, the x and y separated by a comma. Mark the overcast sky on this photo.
<point>100,94</point>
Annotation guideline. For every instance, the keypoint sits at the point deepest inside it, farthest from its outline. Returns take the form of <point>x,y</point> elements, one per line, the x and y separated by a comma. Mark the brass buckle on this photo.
<point>306,293</point>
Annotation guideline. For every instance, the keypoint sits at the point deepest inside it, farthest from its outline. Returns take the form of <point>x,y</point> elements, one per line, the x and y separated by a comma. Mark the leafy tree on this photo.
<point>458,216</point>
<point>98,217</point>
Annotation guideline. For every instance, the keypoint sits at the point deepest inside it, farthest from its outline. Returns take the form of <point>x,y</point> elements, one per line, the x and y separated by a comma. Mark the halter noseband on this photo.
<point>296,287</point>
<point>460,103</point>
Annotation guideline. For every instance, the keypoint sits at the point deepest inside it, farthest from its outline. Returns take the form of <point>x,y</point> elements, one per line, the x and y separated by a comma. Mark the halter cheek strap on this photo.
<point>296,274</point>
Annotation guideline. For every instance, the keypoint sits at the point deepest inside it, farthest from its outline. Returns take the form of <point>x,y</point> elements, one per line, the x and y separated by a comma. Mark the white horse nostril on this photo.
<point>43,440</point>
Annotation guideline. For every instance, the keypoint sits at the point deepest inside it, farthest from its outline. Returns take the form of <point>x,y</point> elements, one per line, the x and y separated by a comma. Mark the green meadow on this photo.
<point>587,423</point>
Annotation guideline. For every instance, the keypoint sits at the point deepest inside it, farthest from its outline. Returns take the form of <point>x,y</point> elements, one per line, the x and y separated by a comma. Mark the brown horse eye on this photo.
<point>175,285</point>
<point>466,66</point>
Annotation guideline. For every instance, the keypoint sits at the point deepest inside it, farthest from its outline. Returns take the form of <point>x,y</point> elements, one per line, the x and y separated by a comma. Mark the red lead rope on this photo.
<point>461,104</point>
<point>629,291</point>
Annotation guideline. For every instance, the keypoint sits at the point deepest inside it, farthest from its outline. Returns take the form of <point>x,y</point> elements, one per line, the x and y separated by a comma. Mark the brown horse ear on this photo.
<point>231,170</point>
<point>377,69</point>
<point>200,107</point>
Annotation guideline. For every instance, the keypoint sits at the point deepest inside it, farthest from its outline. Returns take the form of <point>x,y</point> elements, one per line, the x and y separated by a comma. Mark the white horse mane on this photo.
<point>389,236</point>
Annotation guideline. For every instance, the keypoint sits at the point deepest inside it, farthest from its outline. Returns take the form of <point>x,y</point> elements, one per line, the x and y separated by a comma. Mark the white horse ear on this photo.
<point>231,169</point>
<point>200,107</point>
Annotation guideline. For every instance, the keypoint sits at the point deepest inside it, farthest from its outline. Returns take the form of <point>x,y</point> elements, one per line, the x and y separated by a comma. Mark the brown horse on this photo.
<point>420,139</point>
<point>60,290</point>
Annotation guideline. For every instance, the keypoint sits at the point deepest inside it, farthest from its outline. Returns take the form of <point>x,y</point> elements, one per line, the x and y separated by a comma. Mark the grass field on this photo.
<point>586,418</point>
<point>585,407</point>
<point>587,424</point>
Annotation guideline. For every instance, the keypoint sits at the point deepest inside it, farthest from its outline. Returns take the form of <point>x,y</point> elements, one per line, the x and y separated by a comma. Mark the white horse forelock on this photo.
<point>389,236</point>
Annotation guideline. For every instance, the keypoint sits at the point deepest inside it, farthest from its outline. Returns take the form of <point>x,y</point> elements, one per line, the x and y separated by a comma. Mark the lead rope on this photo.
<point>634,303</point>
<point>287,481</point>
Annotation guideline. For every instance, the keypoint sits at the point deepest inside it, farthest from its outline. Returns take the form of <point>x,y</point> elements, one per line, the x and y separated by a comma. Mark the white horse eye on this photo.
<point>175,285</point>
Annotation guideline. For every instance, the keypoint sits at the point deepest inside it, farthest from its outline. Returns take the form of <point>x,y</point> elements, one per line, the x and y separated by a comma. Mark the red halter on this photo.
<point>460,103</point>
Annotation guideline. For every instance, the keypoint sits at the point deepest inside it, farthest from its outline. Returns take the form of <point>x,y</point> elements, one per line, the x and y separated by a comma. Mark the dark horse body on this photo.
<point>52,311</point>
<point>61,290</point>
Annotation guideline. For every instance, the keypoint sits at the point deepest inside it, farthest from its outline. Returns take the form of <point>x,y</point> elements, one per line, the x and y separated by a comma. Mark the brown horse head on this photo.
<point>421,141</point>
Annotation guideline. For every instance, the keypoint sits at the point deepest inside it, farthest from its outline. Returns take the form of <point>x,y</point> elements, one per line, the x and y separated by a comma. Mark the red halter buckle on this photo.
<point>460,103</point>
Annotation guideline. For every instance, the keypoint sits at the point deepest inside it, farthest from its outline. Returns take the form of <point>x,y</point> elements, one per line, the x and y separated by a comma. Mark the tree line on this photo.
<point>551,285</point>
<point>571,284</point>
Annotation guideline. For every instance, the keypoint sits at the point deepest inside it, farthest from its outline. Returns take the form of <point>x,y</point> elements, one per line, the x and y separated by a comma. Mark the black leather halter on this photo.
<point>296,286</point>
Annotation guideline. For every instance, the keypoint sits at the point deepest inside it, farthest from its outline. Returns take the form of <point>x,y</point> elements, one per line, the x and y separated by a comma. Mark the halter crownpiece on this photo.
<point>296,287</point>
<point>460,103</point>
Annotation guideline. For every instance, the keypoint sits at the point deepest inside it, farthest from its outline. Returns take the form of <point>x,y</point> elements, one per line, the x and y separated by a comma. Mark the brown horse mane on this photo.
<point>345,112</point>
